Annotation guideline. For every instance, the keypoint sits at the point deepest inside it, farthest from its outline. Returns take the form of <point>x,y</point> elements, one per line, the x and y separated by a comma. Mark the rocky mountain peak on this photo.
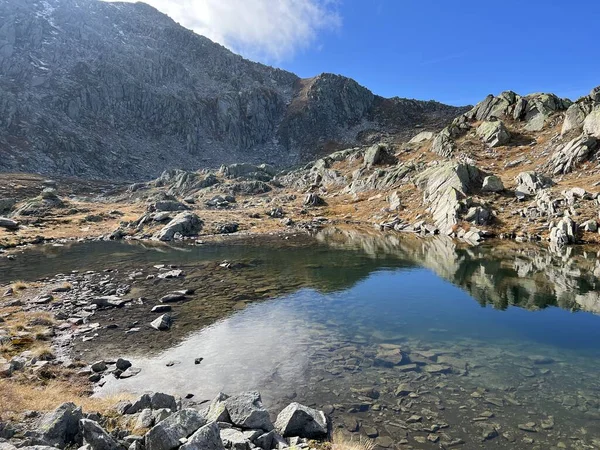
<point>119,90</point>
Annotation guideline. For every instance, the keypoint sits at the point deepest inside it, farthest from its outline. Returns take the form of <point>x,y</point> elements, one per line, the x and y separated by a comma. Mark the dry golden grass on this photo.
<point>43,352</point>
<point>19,285</point>
<point>18,396</point>
<point>343,442</point>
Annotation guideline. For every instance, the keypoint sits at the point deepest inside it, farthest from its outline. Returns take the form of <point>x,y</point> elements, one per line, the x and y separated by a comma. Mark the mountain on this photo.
<point>121,91</point>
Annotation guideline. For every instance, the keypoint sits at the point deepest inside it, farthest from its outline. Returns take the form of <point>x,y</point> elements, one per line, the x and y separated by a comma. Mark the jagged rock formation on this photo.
<point>119,90</point>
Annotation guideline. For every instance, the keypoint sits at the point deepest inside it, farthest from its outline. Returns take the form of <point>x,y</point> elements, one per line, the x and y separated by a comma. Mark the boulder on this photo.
<point>591,124</point>
<point>569,156</point>
<point>378,154</point>
<point>444,187</point>
<point>493,106</point>
<point>302,421</point>
<point>247,411</point>
<point>9,224</point>
<point>167,205</point>
<point>60,427</point>
<point>206,438</point>
<point>234,439</point>
<point>590,226</point>
<point>162,323</point>
<point>564,233</point>
<point>492,183</point>
<point>530,183</point>
<point>478,215</point>
<point>185,224</point>
<point>166,434</point>
<point>217,412</point>
<point>422,137</point>
<point>493,133</point>
<point>227,228</point>
<point>394,200</point>
<point>443,144</point>
<point>313,199</point>
<point>574,117</point>
<point>96,437</point>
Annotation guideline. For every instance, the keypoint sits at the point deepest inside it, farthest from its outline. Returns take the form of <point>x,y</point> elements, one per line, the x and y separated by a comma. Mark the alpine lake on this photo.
<point>411,342</point>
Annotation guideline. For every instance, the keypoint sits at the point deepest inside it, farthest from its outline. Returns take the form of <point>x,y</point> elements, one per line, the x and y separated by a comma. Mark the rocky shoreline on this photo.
<point>158,421</point>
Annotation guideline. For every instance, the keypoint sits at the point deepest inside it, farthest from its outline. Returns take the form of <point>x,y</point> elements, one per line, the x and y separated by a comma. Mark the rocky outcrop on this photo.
<point>121,91</point>
<point>183,224</point>
<point>530,183</point>
<point>444,187</point>
<point>591,124</point>
<point>571,155</point>
<point>493,133</point>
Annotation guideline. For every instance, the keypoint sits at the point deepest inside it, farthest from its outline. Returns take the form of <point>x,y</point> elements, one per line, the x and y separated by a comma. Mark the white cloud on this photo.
<point>266,30</point>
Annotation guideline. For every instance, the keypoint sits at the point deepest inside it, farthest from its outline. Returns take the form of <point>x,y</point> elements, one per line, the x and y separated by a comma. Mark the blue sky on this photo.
<point>455,52</point>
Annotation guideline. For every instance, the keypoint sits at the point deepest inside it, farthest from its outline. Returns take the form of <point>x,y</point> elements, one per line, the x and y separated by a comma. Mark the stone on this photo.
<point>217,411</point>
<point>302,421</point>
<point>158,400</point>
<point>394,200</point>
<point>530,183</point>
<point>234,439</point>
<point>443,144</point>
<point>185,224</point>
<point>145,419</point>
<point>206,438</point>
<point>421,137</point>
<point>492,183</point>
<point>161,309</point>
<point>313,199</point>
<point>590,226</point>
<point>227,228</point>
<point>166,435</point>
<point>162,323</point>
<point>378,154</point>
<point>142,402</point>
<point>493,133</point>
<point>60,427</point>
<point>389,357</point>
<point>9,224</point>
<point>172,298</point>
<point>99,366</point>
<point>444,187</point>
<point>571,155</point>
<point>265,440</point>
<point>591,124</point>
<point>564,233</point>
<point>96,437</point>
<point>247,411</point>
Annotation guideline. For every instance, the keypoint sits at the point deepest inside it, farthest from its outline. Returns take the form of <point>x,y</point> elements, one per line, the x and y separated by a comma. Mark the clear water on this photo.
<point>514,331</point>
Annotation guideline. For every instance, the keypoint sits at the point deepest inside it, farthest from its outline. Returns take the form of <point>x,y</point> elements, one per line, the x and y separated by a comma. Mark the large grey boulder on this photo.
<point>234,439</point>
<point>443,144</point>
<point>96,437</point>
<point>166,434</point>
<point>378,154</point>
<point>577,151</point>
<point>60,427</point>
<point>564,233</point>
<point>574,117</point>
<point>492,183</point>
<point>185,224</point>
<point>530,183</point>
<point>167,206</point>
<point>302,421</point>
<point>422,137</point>
<point>444,186</point>
<point>591,124</point>
<point>206,438</point>
<point>493,133</point>
<point>247,411</point>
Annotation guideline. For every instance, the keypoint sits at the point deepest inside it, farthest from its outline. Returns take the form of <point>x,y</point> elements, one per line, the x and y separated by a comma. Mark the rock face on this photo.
<point>120,91</point>
<point>493,133</point>
<point>60,427</point>
<point>444,186</point>
<point>299,420</point>
<point>185,224</point>
<point>591,124</point>
<point>577,151</point>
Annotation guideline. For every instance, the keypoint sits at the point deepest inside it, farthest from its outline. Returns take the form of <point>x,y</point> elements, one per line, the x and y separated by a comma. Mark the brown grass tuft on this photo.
<point>19,285</point>
<point>343,442</point>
